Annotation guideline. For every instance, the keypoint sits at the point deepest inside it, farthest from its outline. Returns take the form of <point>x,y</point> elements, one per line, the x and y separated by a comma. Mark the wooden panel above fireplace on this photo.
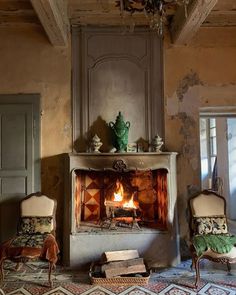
<point>112,72</point>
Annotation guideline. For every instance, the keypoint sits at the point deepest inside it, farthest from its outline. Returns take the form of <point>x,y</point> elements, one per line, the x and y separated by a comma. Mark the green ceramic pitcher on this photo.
<point>120,131</point>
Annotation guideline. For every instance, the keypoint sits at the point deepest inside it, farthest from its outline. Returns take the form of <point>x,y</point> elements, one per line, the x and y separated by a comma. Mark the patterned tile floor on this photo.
<point>31,279</point>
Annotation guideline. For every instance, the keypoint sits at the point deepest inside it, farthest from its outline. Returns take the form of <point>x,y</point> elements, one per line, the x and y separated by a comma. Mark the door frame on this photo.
<point>34,101</point>
<point>221,112</point>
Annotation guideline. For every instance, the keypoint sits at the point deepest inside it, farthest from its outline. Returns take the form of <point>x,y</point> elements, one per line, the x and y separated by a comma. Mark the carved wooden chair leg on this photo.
<point>193,264</point>
<point>228,267</point>
<point>1,270</point>
<point>51,267</point>
<point>197,269</point>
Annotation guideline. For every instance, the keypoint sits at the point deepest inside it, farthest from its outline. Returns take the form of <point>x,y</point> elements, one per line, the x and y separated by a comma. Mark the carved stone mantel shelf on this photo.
<point>133,161</point>
<point>158,248</point>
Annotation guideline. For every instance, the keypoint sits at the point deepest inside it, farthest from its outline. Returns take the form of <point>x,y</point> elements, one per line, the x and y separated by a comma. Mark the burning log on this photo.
<point>120,206</point>
<point>113,204</point>
<point>122,212</point>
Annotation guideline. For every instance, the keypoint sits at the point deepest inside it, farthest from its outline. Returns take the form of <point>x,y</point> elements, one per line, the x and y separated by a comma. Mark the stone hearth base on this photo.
<point>156,247</point>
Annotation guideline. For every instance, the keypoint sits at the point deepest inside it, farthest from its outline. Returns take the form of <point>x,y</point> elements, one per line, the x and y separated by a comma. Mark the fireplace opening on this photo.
<point>110,200</point>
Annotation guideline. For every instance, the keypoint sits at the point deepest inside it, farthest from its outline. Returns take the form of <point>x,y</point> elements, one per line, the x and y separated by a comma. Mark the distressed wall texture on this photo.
<point>200,74</point>
<point>30,64</point>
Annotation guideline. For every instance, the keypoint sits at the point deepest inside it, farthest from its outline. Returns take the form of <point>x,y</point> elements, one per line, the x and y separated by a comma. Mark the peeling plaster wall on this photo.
<point>30,64</point>
<point>198,75</point>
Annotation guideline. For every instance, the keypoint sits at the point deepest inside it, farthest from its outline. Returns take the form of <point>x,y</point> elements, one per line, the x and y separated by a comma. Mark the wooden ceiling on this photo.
<point>61,13</point>
<point>106,12</point>
<point>13,12</point>
<point>222,15</point>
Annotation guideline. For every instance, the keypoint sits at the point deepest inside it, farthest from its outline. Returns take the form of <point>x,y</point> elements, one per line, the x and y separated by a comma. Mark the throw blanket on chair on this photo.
<point>218,243</point>
<point>47,249</point>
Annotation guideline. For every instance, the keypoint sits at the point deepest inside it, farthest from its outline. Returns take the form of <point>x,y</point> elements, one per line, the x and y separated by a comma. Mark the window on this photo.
<point>218,155</point>
<point>208,149</point>
<point>212,143</point>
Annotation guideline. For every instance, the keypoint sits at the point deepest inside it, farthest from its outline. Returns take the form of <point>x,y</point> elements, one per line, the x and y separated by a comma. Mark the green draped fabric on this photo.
<point>217,243</point>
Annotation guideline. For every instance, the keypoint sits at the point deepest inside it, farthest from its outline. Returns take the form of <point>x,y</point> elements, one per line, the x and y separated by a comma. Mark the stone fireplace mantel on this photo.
<point>158,247</point>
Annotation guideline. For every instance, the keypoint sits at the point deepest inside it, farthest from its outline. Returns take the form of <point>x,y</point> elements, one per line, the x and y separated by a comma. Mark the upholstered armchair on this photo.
<point>35,234</point>
<point>210,238</point>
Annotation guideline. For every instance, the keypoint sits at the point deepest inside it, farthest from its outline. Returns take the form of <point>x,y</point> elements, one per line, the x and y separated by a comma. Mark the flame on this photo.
<point>130,203</point>
<point>118,197</point>
<point>119,193</point>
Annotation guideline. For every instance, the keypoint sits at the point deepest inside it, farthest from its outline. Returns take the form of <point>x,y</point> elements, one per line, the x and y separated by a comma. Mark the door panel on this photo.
<point>16,152</point>
<point>19,115</point>
<point>13,131</point>
<point>13,185</point>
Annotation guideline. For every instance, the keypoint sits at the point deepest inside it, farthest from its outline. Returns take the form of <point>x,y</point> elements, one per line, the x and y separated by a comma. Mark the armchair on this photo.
<point>209,234</point>
<point>35,234</point>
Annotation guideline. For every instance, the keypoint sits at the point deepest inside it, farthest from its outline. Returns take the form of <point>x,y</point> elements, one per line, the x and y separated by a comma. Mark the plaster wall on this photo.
<point>30,64</point>
<point>202,74</point>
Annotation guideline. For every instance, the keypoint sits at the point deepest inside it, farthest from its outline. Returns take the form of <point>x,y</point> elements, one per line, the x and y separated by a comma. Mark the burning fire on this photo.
<point>119,196</point>
<point>130,203</point>
<point>119,193</point>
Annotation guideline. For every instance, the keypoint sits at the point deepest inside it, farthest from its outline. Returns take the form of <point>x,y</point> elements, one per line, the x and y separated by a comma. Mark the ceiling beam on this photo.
<point>54,19</point>
<point>188,20</point>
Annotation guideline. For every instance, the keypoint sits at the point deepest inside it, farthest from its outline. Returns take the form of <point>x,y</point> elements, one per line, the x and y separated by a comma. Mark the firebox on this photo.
<point>134,199</point>
<point>121,201</point>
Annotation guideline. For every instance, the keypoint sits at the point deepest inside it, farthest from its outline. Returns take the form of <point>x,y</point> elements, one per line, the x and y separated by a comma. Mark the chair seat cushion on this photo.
<point>217,243</point>
<point>231,255</point>
<point>29,240</point>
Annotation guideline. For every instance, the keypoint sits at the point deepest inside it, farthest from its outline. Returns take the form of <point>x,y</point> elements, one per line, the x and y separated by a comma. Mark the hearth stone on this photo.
<point>157,248</point>
<point>84,244</point>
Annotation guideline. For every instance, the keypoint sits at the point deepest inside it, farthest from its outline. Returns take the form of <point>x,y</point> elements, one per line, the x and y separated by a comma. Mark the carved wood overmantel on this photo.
<point>116,72</point>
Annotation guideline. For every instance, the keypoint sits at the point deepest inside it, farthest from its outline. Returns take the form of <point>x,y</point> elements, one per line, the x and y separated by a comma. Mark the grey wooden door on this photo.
<point>19,156</point>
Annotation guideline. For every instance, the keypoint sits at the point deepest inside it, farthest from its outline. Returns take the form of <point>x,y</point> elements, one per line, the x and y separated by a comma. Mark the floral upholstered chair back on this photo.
<point>208,214</point>
<point>37,215</point>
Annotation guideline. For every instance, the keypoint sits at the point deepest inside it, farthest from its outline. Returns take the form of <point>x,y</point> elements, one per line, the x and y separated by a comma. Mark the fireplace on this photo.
<point>115,199</point>
<point>118,202</point>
